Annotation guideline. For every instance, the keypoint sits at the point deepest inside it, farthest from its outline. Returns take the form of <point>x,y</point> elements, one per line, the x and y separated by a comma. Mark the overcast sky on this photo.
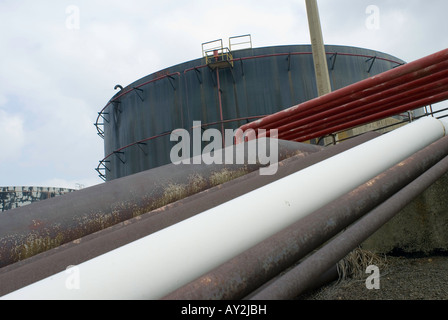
<point>60,61</point>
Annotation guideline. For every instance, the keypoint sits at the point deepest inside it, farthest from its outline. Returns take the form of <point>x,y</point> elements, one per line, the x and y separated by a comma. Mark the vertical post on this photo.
<point>220,107</point>
<point>317,44</point>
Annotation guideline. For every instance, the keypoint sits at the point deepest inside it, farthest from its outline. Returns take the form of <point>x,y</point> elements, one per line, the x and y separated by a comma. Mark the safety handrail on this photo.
<point>121,94</point>
<point>102,163</point>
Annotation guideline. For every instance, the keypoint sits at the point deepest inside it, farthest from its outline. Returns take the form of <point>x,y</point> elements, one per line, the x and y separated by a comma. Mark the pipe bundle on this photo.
<point>154,266</point>
<point>407,87</point>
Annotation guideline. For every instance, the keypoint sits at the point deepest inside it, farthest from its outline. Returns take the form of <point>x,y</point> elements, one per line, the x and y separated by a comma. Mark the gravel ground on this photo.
<point>401,278</point>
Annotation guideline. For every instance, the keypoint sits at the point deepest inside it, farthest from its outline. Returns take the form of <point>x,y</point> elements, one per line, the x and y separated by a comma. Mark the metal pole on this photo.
<point>298,279</point>
<point>220,107</point>
<point>317,44</point>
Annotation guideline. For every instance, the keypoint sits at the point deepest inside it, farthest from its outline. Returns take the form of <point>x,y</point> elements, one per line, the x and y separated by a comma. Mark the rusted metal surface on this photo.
<point>41,226</point>
<point>22,273</point>
<point>298,279</point>
<point>262,81</point>
<point>251,269</point>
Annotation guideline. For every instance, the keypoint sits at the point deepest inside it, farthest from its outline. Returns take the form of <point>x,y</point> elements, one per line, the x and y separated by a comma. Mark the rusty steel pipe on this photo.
<point>38,227</point>
<point>243,274</point>
<point>298,279</point>
<point>45,264</point>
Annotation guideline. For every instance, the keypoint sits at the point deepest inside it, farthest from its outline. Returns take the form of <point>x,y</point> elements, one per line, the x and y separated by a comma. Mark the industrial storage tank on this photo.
<point>224,89</point>
<point>17,196</point>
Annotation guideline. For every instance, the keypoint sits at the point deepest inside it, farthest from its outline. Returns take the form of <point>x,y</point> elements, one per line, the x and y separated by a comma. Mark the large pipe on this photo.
<point>41,226</point>
<point>296,280</point>
<point>240,276</point>
<point>343,95</point>
<point>45,264</point>
<point>182,252</point>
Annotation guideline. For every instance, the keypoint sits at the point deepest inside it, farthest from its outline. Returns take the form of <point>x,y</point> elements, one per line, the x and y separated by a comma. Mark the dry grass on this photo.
<point>354,265</point>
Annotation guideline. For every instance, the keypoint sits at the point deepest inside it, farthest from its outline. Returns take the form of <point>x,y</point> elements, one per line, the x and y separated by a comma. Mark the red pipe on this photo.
<point>320,125</point>
<point>339,122</point>
<point>367,84</point>
<point>411,106</point>
<point>385,97</point>
<point>377,80</point>
<point>326,118</point>
<point>363,95</point>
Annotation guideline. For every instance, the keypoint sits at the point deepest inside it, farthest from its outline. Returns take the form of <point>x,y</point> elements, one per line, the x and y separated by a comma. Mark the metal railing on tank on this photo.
<point>116,99</point>
<point>216,55</point>
<point>102,167</point>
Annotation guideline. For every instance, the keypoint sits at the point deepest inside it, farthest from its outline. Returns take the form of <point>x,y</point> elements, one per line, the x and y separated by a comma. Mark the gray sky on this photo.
<point>60,61</point>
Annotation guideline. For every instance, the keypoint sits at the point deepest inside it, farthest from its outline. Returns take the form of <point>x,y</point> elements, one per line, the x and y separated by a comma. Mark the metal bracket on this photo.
<point>333,57</point>
<point>212,73</point>
<point>171,78</point>
<point>198,75</point>
<point>398,65</point>
<point>136,91</point>
<point>102,116</point>
<point>117,105</point>
<point>371,64</point>
<point>117,153</point>
<point>139,145</point>
<point>102,166</point>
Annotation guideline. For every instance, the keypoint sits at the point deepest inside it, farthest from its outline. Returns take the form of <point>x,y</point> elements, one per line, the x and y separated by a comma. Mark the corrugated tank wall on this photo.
<point>137,121</point>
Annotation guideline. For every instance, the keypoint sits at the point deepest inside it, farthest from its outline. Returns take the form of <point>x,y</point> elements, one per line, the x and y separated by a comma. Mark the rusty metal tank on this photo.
<point>223,91</point>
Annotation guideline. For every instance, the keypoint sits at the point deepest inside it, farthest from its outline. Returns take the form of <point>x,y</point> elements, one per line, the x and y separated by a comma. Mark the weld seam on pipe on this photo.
<point>295,281</point>
<point>166,260</point>
<point>243,274</point>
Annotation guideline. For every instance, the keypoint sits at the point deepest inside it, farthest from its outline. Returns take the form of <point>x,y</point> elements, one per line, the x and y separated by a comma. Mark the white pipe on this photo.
<point>156,265</point>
